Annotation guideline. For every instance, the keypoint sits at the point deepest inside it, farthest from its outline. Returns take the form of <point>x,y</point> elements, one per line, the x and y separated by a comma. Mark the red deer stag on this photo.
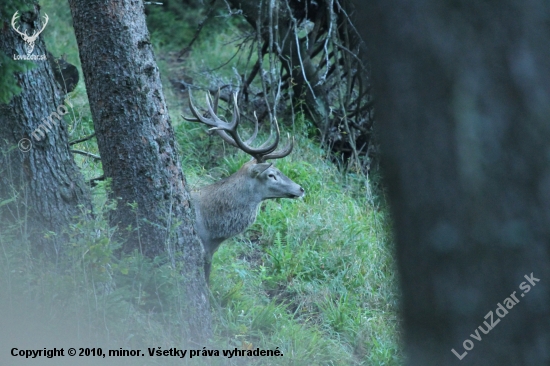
<point>226,208</point>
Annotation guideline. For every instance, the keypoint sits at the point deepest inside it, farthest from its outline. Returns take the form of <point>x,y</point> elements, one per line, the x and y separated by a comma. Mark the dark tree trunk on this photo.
<point>137,144</point>
<point>463,91</point>
<point>44,181</point>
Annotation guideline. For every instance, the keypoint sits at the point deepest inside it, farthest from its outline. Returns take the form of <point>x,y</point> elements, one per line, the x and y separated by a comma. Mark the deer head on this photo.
<point>266,181</point>
<point>29,40</point>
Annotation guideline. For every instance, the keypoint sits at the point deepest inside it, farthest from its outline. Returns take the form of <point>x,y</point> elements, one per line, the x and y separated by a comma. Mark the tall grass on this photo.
<point>315,275</point>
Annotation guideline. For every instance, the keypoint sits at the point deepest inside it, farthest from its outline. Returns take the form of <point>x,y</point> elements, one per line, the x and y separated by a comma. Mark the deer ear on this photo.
<point>258,169</point>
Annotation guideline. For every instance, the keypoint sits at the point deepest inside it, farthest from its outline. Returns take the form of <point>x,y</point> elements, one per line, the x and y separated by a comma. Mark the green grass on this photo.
<point>314,277</point>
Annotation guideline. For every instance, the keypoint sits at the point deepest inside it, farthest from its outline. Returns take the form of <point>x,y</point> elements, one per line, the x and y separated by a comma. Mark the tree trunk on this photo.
<point>463,92</point>
<point>137,144</point>
<point>41,175</point>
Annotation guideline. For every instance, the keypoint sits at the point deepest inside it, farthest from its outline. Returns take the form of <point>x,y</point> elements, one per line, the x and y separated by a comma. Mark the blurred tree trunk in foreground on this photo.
<point>138,147</point>
<point>463,98</point>
<point>41,186</point>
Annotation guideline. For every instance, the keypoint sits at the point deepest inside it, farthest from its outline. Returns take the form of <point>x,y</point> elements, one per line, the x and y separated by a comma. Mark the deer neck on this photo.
<point>228,207</point>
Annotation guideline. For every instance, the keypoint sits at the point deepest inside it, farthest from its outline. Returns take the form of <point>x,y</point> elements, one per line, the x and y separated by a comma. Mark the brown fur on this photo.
<point>226,208</point>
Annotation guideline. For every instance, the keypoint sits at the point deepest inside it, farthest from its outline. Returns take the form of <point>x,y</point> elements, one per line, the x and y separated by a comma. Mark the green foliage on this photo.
<point>8,82</point>
<point>9,7</point>
<point>169,24</point>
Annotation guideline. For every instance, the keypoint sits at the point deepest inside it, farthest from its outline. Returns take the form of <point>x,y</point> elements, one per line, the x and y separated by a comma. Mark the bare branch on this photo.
<point>85,138</point>
<point>85,153</point>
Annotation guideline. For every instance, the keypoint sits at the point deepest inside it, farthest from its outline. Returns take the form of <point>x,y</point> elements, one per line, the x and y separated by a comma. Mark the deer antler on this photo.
<point>13,19</point>
<point>228,131</point>
<point>35,33</point>
<point>25,36</point>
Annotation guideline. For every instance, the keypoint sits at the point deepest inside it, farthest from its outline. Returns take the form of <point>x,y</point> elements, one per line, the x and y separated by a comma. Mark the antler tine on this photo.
<point>213,110</point>
<point>265,148</point>
<point>36,33</point>
<point>217,122</point>
<point>229,132</point>
<point>213,121</point>
<point>207,121</point>
<point>194,111</point>
<point>236,114</point>
<point>254,152</point>
<point>253,137</point>
<point>277,136</point>
<point>13,19</point>
<point>281,153</point>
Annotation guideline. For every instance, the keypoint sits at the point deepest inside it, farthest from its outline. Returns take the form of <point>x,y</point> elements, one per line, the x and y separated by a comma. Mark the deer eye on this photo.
<point>271,175</point>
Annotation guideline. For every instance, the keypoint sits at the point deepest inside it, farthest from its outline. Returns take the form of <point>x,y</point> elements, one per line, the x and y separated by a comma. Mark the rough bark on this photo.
<point>463,91</point>
<point>137,144</point>
<point>45,183</point>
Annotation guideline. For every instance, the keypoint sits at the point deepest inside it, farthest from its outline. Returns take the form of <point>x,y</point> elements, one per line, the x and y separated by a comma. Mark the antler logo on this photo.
<point>29,46</point>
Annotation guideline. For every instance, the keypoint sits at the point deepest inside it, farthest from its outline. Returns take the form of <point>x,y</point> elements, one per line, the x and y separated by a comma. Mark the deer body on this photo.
<point>226,208</point>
